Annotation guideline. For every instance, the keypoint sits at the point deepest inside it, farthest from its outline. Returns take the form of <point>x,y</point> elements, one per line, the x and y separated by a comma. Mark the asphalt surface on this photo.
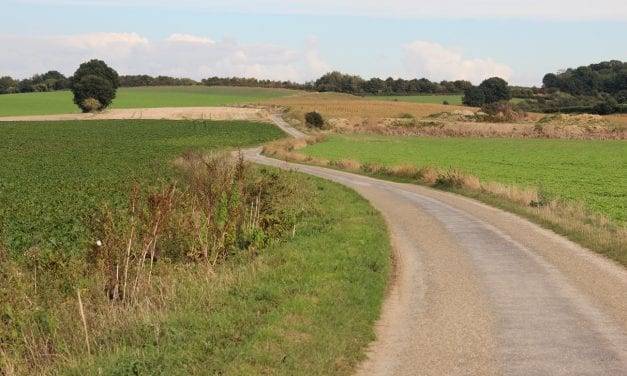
<point>479,291</point>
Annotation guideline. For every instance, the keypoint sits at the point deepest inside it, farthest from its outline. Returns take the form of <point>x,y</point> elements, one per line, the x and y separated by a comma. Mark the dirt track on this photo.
<point>479,291</point>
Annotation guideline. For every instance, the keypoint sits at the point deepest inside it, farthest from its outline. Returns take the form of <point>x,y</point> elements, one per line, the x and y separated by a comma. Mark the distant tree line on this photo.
<point>145,80</point>
<point>49,81</point>
<point>597,88</point>
<point>253,82</point>
<point>352,84</point>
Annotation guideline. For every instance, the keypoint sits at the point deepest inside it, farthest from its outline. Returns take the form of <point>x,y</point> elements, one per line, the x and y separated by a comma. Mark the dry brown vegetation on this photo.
<point>350,114</point>
<point>335,105</point>
<point>443,128</point>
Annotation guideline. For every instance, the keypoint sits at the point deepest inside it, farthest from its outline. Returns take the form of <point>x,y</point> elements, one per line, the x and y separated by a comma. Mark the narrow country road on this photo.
<point>479,291</point>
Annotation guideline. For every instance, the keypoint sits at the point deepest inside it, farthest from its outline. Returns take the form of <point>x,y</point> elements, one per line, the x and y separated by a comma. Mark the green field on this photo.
<point>60,102</point>
<point>592,172</point>
<point>55,173</point>
<point>453,99</point>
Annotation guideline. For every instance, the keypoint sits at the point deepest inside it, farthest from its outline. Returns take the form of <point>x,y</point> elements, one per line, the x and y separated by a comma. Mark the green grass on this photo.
<point>592,172</point>
<point>60,102</point>
<point>453,99</point>
<point>54,174</point>
<point>303,307</point>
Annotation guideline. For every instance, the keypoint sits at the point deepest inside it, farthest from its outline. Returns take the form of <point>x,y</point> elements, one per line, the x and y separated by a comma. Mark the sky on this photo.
<point>300,40</point>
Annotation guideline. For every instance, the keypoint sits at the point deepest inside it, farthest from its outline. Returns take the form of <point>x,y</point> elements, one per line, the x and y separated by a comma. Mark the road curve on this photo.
<point>479,291</point>
<point>476,290</point>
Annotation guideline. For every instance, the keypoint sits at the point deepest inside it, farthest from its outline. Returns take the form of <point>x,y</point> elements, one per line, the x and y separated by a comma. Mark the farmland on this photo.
<point>60,102</point>
<point>334,105</point>
<point>296,303</point>
<point>55,173</point>
<point>453,99</point>
<point>586,171</point>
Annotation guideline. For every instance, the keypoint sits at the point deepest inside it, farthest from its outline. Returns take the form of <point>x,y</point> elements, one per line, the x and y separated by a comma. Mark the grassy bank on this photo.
<point>585,171</point>
<point>306,306</point>
<point>303,305</point>
<point>60,102</point>
<point>54,174</point>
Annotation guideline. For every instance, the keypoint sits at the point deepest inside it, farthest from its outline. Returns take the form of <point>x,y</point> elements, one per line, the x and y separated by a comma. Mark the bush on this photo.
<point>91,105</point>
<point>604,108</point>
<point>314,119</point>
<point>474,96</point>
<point>503,111</point>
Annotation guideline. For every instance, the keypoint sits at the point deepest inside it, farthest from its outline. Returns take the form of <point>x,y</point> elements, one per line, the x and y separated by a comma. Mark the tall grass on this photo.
<point>58,309</point>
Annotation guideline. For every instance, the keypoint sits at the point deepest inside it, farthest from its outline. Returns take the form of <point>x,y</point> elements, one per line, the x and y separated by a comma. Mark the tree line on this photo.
<point>596,88</point>
<point>49,81</point>
<point>352,84</point>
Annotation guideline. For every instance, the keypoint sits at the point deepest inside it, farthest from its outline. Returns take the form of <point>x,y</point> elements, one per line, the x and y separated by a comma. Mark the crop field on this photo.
<point>60,102</point>
<point>53,174</point>
<point>454,99</point>
<point>592,172</point>
<point>334,105</point>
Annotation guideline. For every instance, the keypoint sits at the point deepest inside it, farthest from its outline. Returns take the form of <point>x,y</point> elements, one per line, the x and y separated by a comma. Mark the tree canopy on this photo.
<point>94,85</point>
<point>492,90</point>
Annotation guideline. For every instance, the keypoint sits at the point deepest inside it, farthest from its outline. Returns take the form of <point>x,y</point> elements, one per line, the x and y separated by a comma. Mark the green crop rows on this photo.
<point>593,172</point>
<point>55,174</point>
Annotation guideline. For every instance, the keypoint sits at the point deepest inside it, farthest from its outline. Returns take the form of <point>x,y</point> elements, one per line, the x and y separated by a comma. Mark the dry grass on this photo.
<point>287,149</point>
<point>335,105</point>
<point>347,164</point>
<point>350,114</point>
<point>404,170</point>
<point>442,128</point>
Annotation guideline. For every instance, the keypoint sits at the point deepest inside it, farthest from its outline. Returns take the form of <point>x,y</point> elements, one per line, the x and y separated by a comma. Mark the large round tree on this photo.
<point>94,85</point>
<point>495,89</point>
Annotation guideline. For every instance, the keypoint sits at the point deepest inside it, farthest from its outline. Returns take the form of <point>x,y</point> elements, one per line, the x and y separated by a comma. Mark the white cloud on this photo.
<point>187,38</point>
<point>179,55</point>
<point>529,9</point>
<point>435,62</point>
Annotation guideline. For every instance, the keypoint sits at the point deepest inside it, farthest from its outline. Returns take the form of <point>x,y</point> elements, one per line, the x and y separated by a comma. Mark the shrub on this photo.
<point>445,102</point>
<point>314,119</point>
<point>91,105</point>
<point>604,108</point>
<point>502,111</point>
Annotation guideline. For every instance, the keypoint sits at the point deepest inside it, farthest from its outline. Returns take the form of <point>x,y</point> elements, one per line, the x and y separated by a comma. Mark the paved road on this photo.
<point>479,291</point>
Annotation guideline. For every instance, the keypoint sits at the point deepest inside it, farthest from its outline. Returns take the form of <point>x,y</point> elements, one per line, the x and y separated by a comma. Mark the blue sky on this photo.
<point>301,39</point>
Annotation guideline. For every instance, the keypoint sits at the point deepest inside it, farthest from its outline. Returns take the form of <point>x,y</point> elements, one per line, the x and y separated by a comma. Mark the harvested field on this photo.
<point>334,105</point>
<point>443,128</point>
<point>172,113</point>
